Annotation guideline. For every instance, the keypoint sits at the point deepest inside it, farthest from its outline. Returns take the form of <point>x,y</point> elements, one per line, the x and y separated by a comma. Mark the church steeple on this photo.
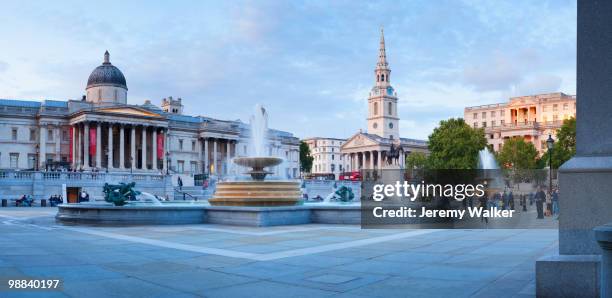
<point>382,70</point>
<point>382,102</point>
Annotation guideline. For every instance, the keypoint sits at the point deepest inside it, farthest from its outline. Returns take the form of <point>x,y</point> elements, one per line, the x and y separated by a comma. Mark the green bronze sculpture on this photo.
<point>344,194</point>
<point>120,194</point>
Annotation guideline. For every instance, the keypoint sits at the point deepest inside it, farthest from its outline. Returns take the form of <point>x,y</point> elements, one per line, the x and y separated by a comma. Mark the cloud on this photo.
<point>544,83</point>
<point>3,66</point>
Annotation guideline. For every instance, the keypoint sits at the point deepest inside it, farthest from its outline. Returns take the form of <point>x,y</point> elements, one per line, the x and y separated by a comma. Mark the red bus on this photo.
<point>351,176</point>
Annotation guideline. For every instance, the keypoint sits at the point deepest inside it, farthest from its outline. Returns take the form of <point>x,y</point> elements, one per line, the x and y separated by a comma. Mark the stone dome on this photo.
<point>106,75</point>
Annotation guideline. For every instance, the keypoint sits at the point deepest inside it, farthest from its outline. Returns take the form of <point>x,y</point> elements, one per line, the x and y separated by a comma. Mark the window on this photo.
<point>475,116</point>
<point>31,161</point>
<point>545,108</point>
<point>65,136</point>
<point>14,134</point>
<point>181,145</point>
<point>391,125</point>
<point>194,167</point>
<point>475,124</point>
<point>502,113</point>
<point>333,168</point>
<point>375,125</point>
<point>501,122</point>
<point>555,117</point>
<point>193,147</point>
<point>375,109</point>
<point>565,106</point>
<point>50,134</point>
<point>491,136</point>
<point>492,114</point>
<point>332,156</point>
<point>180,166</point>
<point>14,160</point>
<point>492,123</point>
<point>115,95</point>
<point>484,124</point>
<point>555,107</point>
<point>382,77</point>
<point>390,108</point>
<point>32,134</point>
<point>484,115</point>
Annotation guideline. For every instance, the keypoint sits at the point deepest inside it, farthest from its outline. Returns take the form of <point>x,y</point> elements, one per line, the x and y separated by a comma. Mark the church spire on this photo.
<point>382,54</point>
<point>106,58</point>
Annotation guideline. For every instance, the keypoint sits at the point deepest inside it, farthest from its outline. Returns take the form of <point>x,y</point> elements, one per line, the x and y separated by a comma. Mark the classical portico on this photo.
<point>118,138</point>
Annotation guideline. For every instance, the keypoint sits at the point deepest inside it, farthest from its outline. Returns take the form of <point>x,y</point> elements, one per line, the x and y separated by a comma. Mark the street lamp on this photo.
<point>106,155</point>
<point>36,157</point>
<point>131,165</point>
<point>549,143</point>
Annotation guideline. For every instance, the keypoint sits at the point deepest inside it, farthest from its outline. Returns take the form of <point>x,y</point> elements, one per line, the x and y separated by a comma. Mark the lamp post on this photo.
<point>167,163</point>
<point>106,155</point>
<point>131,165</point>
<point>549,144</point>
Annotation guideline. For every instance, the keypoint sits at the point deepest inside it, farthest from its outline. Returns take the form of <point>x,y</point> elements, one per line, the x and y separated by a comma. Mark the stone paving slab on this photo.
<point>283,261</point>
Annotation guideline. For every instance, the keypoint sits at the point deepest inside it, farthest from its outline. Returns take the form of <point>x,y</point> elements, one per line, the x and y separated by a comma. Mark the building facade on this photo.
<point>531,117</point>
<point>327,158</point>
<point>373,149</point>
<point>103,132</point>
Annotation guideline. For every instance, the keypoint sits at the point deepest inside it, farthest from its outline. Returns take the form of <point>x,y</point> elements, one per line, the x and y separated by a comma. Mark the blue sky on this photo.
<point>309,63</point>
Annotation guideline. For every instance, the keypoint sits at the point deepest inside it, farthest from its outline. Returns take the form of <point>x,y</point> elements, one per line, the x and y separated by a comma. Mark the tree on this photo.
<point>305,158</point>
<point>517,154</point>
<point>519,160</point>
<point>416,160</point>
<point>455,145</point>
<point>565,145</point>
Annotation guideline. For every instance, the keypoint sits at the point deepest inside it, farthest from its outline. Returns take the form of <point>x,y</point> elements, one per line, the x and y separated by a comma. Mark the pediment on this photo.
<point>132,111</point>
<point>359,140</point>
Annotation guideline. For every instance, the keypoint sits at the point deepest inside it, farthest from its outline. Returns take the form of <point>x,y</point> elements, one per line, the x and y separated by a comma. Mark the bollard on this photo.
<point>603,235</point>
<point>4,202</point>
<point>43,203</point>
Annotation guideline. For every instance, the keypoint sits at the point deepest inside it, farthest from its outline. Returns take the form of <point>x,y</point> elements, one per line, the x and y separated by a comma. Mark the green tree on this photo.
<point>519,160</point>
<point>455,145</point>
<point>517,154</point>
<point>565,145</point>
<point>416,160</point>
<point>305,158</point>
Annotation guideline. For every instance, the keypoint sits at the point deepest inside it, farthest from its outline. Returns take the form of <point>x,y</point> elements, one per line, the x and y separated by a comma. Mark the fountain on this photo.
<point>257,192</point>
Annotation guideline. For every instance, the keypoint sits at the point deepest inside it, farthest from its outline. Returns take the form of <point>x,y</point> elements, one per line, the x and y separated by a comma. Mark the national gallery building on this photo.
<point>103,133</point>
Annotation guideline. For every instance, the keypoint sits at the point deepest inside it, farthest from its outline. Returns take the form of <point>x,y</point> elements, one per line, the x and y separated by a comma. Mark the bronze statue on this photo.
<point>120,194</point>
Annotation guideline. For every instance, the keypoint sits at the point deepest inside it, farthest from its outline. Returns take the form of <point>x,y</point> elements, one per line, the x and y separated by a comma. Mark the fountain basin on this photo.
<point>201,214</point>
<point>256,193</point>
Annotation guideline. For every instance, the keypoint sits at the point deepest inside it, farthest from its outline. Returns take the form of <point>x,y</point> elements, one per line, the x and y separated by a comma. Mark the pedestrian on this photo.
<point>555,202</point>
<point>180,183</point>
<point>540,197</point>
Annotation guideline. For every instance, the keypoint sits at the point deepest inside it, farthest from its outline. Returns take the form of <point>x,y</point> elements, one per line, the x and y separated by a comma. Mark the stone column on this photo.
<point>166,146</point>
<point>154,145</point>
<point>371,160</point>
<point>42,147</point>
<point>207,168</point>
<point>227,156</point>
<point>109,163</point>
<point>77,154</point>
<point>58,143</point>
<point>133,147</point>
<point>74,147</point>
<point>380,161</point>
<point>584,180</point>
<point>215,155</point>
<point>143,147</point>
<point>86,145</point>
<point>122,146</point>
<point>99,145</point>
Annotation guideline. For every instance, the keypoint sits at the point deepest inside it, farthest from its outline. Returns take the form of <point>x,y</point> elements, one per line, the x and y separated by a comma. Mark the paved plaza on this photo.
<point>287,261</point>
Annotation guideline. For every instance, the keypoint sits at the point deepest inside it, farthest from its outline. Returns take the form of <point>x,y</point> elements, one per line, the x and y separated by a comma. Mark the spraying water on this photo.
<point>259,131</point>
<point>486,160</point>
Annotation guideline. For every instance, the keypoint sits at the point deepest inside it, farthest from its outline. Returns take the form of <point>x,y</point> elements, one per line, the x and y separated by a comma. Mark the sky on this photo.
<point>310,63</point>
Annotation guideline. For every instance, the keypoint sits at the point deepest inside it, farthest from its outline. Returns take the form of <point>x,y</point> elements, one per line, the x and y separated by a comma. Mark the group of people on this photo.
<point>55,200</point>
<point>551,199</point>
<point>24,201</point>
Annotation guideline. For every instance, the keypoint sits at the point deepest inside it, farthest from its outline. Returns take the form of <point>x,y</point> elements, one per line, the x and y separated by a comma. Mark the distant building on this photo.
<point>531,117</point>
<point>370,150</point>
<point>103,131</point>
<point>327,156</point>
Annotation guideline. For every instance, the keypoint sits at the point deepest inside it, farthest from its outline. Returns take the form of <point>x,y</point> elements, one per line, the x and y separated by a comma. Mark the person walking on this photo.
<point>555,202</point>
<point>180,183</point>
<point>540,197</point>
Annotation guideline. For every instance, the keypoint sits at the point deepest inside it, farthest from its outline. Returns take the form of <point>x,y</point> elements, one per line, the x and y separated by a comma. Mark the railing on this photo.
<point>85,176</point>
<point>528,124</point>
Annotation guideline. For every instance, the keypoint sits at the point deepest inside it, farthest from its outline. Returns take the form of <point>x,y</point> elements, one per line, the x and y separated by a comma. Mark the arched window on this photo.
<point>390,108</point>
<point>378,78</point>
<point>375,108</point>
<point>382,78</point>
